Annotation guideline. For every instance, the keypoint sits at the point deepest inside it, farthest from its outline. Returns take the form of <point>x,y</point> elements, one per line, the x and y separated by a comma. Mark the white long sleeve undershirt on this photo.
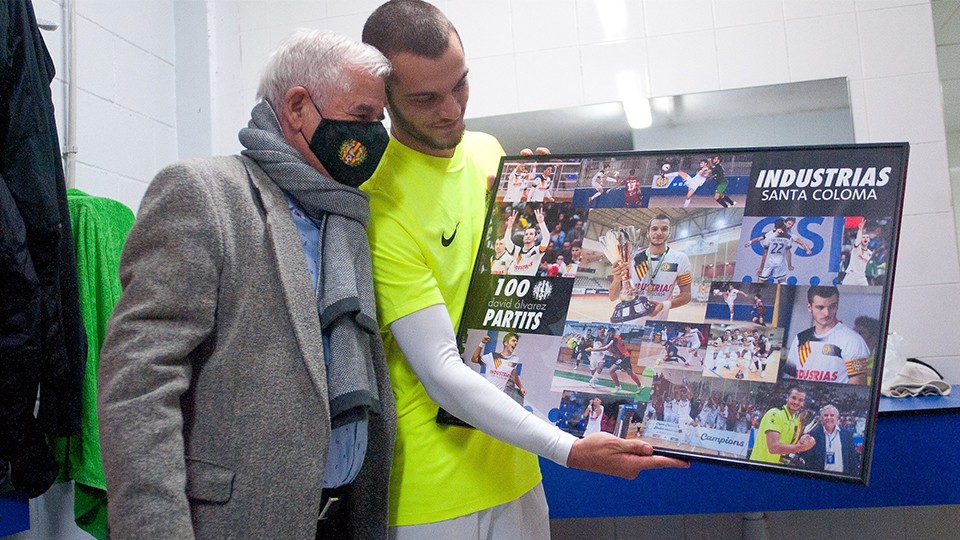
<point>427,341</point>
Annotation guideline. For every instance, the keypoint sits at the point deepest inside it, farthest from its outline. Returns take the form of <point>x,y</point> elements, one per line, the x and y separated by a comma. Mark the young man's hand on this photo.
<point>607,454</point>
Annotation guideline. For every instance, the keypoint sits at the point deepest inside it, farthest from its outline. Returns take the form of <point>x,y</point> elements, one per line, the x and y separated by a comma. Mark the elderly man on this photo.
<point>243,369</point>
<point>833,448</point>
<point>428,204</point>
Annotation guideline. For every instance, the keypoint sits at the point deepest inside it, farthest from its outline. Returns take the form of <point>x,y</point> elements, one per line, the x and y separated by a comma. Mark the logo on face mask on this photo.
<point>349,150</point>
<point>353,153</point>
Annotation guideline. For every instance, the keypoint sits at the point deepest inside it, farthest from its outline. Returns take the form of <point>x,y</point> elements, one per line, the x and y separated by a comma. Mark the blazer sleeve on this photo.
<point>169,271</point>
<point>815,456</point>
<point>851,459</point>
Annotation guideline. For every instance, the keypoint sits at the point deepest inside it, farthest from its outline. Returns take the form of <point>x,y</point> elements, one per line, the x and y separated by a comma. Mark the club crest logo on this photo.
<point>542,291</point>
<point>353,152</point>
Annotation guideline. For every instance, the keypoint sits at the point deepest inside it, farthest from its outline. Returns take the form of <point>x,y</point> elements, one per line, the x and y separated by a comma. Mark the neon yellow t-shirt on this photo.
<point>781,421</point>
<point>426,223</point>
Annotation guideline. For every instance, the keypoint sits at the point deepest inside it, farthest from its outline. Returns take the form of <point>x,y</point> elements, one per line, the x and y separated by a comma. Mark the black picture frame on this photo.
<point>797,223</point>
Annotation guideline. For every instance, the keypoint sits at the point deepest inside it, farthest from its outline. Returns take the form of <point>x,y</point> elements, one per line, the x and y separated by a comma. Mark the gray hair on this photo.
<point>830,407</point>
<point>316,60</point>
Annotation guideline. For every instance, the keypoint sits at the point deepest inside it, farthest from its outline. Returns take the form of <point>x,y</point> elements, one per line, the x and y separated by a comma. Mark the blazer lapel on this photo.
<point>294,279</point>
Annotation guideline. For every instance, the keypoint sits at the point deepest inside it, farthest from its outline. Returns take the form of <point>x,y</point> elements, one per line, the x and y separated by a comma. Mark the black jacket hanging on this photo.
<point>42,341</point>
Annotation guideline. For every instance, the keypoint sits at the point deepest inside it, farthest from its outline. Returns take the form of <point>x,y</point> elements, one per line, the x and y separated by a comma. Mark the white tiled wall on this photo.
<point>752,55</point>
<point>535,54</point>
<point>126,102</point>
<point>885,48</point>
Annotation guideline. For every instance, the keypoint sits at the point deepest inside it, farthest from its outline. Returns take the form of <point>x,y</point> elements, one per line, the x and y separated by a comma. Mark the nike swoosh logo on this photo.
<point>447,241</point>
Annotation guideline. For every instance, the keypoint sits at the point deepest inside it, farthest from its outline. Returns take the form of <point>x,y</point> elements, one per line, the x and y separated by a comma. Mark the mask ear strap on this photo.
<point>314,103</point>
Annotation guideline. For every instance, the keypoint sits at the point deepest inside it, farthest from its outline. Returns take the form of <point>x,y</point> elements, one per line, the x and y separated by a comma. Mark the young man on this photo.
<point>618,359</point>
<point>593,415</point>
<point>581,354</point>
<point>729,348</point>
<point>683,408</point>
<point>777,258</point>
<point>654,272</point>
<point>597,352</point>
<point>779,432</point>
<point>693,339</point>
<point>500,368</point>
<point>693,183</point>
<point>632,196</point>
<point>570,269</point>
<point>541,186</point>
<point>428,207</point>
<point>597,182</point>
<point>764,351</point>
<point>829,351</point>
<point>786,226</point>
<point>500,260</point>
<point>860,254</point>
<point>525,259</point>
<point>759,310</point>
<point>730,297</point>
<point>717,344</point>
<point>245,352</point>
<point>720,193</point>
<point>517,184</point>
<point>671,350</point>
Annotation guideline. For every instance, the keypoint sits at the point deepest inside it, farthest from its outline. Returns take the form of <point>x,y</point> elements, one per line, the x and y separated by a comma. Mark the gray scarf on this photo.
<point>345,299</point>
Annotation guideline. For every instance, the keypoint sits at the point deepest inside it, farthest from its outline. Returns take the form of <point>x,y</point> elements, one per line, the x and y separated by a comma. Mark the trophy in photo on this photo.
<point>808,421</point>
<point>616,247</point>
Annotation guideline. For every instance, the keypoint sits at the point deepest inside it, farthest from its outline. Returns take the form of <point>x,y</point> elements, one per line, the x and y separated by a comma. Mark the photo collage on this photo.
<point>725,305</point>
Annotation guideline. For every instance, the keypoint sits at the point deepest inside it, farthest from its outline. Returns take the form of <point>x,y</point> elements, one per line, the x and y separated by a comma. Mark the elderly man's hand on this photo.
<point>607,454</point>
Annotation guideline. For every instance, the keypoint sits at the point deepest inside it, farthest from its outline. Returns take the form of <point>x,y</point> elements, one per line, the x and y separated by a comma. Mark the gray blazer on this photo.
<point>214,418</point>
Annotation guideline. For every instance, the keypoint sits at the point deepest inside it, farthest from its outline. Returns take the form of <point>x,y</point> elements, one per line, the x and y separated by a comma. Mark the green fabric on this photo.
<point>100,228</point>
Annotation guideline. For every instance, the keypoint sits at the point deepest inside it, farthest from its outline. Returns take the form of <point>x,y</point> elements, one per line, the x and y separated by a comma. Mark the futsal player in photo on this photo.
<point>541,187</point>
<point>860,254</point>
<point>525,258</point>
<point>632,195</point>
<point>828,351</point>
<point>694,182</point>
<point>501,368</point>
<point>720,192</point>
<point>517,182</point>
<point>599,180</point>
<point>654,271</point>
<point>500,260</point>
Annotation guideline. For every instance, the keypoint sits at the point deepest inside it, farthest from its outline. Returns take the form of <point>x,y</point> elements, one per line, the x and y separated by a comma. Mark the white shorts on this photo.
<point>776,272</point>
<point>694,182</point>
<point>854,279</point>
<point>523,518</point>
<point>596,363</point>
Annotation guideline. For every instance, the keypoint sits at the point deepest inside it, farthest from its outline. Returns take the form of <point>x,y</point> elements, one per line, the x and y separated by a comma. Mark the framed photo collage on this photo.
<point>723,305</point>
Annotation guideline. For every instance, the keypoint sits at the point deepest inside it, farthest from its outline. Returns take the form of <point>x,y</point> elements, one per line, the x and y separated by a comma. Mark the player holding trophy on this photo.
<point>782,433</point>
<point>807,420</point>
<point>646,282</point>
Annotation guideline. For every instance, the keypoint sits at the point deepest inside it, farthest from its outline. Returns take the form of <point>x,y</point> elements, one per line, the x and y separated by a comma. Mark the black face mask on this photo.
<point>348,149</point>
